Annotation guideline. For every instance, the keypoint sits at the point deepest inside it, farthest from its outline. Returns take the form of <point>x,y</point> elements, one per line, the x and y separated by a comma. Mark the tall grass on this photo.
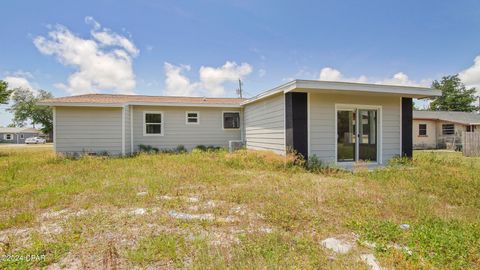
<point>438,194</point>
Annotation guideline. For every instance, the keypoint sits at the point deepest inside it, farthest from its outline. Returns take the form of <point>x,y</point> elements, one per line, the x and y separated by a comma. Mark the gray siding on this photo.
<point>88,129</point>
<point>265,124</point>
<point>322,123</point>
<point>176,132</point>
<point>17,137</point>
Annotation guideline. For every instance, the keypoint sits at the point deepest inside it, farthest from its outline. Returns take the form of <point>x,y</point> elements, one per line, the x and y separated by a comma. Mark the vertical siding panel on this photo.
<point>265,124</point>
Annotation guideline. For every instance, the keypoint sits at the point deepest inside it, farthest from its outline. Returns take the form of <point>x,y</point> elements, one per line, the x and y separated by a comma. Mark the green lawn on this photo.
<point>247,210</point>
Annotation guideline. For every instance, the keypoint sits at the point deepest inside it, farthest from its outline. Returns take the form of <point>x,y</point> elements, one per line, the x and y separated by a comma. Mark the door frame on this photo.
<point>349,107</point>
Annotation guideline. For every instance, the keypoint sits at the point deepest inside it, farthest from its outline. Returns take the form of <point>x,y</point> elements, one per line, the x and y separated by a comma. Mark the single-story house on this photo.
<point>311,117</point>
<point>439,129</point>
<point>17,135</point>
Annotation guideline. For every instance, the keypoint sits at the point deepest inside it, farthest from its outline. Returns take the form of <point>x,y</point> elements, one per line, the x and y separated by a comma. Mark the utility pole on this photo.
<point>239,90</point>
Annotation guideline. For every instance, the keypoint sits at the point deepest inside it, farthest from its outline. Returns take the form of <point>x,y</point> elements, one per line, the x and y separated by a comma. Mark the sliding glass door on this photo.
<point>357,131</point>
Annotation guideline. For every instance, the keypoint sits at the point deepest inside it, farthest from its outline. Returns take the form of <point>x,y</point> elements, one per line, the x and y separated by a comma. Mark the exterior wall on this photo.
<point>265,124</point>
<point>425,142</point>
<point>88,130</point>
<point>17,137</point>
<point>176,132</point>
<point>127,130</point>
<point>445,141</point>
<point>322,133</point>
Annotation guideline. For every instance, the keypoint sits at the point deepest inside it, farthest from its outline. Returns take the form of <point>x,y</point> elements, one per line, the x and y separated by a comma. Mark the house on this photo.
<point>311,117</point>
<point>17,135</point>
<point>442,129</point>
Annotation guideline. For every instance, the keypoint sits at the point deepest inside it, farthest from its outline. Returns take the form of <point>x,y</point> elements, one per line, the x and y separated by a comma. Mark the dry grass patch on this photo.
<point>237,210</point>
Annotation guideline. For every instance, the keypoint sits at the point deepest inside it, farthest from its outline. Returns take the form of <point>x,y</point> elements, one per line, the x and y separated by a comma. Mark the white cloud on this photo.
<point>471,75</point>
<point>400,78</point>
<point>103,62</point>
<point>331,74</point>
<point>176,83</point>
<point>18,82</point>
<point>211,79</point>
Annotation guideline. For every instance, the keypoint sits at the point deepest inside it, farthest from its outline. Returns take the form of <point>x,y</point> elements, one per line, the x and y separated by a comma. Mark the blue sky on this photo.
<point>203,47</point>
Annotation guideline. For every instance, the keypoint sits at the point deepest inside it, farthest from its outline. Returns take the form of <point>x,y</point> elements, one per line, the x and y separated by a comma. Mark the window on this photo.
<point>471,128</point>
<point>21,136</point>
<point>448,129</point>
<point>8,137</point>
<point>192,117</point>
<point>231,120</point>
<point>422,130</point>
<point>153,124</point>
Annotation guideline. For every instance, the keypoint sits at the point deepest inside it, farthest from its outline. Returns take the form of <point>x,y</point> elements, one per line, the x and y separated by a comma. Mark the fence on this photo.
<point>471,144</point>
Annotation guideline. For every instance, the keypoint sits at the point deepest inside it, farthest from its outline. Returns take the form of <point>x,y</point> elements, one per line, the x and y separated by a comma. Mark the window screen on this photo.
<point>422,129</point>
<point>231,120</point>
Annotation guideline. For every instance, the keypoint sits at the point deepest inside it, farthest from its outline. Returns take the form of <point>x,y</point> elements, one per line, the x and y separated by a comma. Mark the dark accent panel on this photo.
<point>296,121</point>
<point>407,141</point>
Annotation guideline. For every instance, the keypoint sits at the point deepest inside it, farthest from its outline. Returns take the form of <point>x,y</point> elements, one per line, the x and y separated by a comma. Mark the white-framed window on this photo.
<point>231,120</point>
<point>192,118</point>
<point>422,130</point>
<point>8,137</point>
<point>153,123</point>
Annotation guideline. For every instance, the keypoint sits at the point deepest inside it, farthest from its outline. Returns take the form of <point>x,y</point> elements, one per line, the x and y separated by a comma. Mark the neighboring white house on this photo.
<point>17,135</point>
<point>311,117</point>
<point>439,129</point>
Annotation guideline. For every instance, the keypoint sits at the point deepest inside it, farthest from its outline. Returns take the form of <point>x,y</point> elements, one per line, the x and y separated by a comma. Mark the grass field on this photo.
<point>245,210</point>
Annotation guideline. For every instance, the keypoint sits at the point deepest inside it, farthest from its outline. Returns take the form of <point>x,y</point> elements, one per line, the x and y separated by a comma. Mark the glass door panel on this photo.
<point>367,135</point>
<point>346,138</point>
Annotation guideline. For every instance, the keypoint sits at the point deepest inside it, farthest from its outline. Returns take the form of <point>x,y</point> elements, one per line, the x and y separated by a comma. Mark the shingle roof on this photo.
<point>125,99</point>
<point>18,130</point>
<point>466,118</point>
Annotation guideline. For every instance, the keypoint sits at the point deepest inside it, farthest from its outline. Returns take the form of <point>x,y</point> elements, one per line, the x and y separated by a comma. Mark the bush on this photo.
<point>315,165</point>
<point>180,149</point>
<point>148,149</point>
<point>210,148</point>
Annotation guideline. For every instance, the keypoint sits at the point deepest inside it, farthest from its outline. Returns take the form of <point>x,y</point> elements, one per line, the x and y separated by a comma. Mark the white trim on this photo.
<point>240,118</point>
<point>81,104</point>
<point>308,125</point>
<point>285,125</point>
<point>123,131</point>
<point>401,123</point>
<point>54,110</point>
<point>379,108</point>
<point>329,86</point>
<point>178,104</point>
<point>8,134</point>
<point>131,129</point>
<point>162,123</point>
<point>119,105</point>
<point>190,123</point>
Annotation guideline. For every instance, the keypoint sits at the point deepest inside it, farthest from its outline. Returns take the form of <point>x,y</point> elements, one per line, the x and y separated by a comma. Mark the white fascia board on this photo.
<point>279,89</point>
<point>174,104</point>
<point>121,105</point>
<point>408,91</point>
<point>79,104</point>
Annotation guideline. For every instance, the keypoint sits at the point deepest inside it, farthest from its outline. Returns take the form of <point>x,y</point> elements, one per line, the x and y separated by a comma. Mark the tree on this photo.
<point>4,92</point>
<point>25,109</point>
<point>455,96</point>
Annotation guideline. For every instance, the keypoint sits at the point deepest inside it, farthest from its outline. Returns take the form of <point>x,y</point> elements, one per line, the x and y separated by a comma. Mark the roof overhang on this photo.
<point>446,120</point>
<point>120,105</point>
<point>348,88</point>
